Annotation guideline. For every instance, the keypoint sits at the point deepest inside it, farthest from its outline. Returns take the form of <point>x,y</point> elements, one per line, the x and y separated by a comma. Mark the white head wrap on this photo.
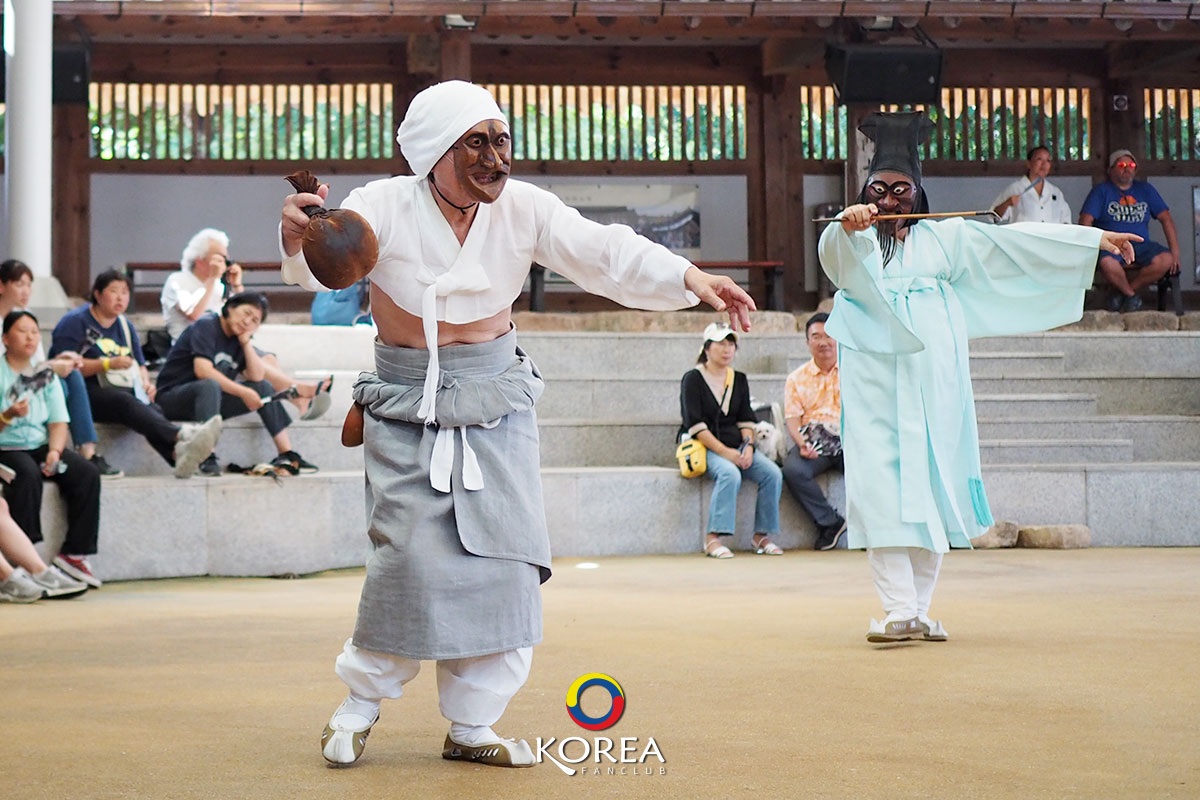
<point>438,116</point>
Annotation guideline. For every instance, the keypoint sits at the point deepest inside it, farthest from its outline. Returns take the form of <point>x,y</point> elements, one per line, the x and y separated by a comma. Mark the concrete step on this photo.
<point>1055,451</point>
<point>1153,438</point>
<point>617,443</point>
<point>1115,395</point>
<point>160,527</point>
<point>243,441</point>
<point>1160,354</point>
<point>238,525</point>
<point>994,365</point>
<point>319,346</point>
<point>634,398</point>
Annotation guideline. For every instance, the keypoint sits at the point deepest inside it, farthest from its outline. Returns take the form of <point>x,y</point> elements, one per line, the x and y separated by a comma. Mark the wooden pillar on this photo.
<point>774,166</point>
<point>71,199</point>
<point>456,55</point>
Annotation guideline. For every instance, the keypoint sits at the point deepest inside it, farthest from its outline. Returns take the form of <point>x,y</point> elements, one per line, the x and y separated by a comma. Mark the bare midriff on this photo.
<point>399,328</point>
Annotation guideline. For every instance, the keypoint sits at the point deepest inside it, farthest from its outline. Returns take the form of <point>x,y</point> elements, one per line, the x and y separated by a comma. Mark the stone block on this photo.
<point>1189,322</point>
<point>1002,534</point>
<point>1151,321</point>
<point>1055,537</point>
<point>1094,321</point>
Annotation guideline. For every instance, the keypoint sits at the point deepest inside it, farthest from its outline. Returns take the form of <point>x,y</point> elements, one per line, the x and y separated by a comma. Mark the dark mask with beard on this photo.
<point>897,138</point>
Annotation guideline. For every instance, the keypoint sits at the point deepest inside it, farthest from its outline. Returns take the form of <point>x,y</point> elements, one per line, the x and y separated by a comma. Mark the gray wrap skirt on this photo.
<point>453,574</point>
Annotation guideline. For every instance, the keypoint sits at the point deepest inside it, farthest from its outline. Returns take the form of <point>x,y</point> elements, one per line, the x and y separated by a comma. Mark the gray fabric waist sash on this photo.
<point>477,383</point>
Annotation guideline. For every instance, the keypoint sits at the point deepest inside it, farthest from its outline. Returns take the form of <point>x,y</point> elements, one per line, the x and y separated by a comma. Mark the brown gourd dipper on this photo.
<point>338,244</point>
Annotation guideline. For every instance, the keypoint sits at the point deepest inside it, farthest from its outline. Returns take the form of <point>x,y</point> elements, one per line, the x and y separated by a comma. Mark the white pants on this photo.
<point>471,691</point>
<point>904,578</point>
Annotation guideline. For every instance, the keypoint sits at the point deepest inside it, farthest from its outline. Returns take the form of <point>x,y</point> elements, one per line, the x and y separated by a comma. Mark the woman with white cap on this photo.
<point>451,439</point>
<point>714,400</point>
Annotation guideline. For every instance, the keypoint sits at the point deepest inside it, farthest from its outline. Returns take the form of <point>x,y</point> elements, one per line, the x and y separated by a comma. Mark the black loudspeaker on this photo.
<point>69,77</point>
<point>882,74</point>
<point>72,71</point>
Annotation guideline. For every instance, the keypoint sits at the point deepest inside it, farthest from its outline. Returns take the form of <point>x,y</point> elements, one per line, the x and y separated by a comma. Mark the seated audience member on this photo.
<point>16,285</point>
<point>118,385</point>
<point>1033,198</point>
<point>812,402</point>
<point>204,278</point>
<point>31,579</point>
<point>715,405</point>
<point>33,439</point>
<point>213,368</point>
<point>1125,205</point>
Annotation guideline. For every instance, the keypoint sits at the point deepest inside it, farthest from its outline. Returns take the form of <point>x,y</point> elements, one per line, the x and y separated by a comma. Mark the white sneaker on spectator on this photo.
<point>195,444</point>
<point>19,587</point>
<point>57,583</point>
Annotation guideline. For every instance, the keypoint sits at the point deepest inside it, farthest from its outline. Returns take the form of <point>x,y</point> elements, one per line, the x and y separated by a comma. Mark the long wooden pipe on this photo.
<point>939,215</point>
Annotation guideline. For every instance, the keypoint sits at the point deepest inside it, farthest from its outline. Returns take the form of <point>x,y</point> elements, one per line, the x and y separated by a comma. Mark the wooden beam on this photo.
<point>626,64</point>
<point>234,63</point>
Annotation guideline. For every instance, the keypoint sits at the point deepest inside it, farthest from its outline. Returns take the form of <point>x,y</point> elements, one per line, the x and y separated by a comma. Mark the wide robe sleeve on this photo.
<point>862,319</point>
<point>1019,278</point>
<point>608,260</point>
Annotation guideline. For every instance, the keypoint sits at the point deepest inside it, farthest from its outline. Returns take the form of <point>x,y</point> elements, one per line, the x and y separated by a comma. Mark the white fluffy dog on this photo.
<point>770,441</point>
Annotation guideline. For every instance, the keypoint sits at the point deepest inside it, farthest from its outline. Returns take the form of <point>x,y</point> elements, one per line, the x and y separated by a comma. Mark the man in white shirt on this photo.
<point>457,520</point>
<point>205,278</point>
<point>205,272</point>
<point>1032,198</point>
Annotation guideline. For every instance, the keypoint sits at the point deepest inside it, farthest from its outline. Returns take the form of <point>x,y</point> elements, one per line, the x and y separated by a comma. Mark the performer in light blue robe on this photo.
<point>909,299</point>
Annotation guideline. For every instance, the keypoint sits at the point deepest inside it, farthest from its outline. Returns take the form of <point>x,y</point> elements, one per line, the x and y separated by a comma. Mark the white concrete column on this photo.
<point>29,132</point>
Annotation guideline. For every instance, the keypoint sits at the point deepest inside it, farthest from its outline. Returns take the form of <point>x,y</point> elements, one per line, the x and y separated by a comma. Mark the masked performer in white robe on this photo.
<point>457,522</point>
<point>910,296</point>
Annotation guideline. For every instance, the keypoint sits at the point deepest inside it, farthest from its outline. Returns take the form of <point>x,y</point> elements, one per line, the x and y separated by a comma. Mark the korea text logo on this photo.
<point>601,755</point>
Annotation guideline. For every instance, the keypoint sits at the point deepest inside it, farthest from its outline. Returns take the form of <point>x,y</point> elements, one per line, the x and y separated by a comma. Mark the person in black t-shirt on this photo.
<point>715,405</point>
<point>213,368</point>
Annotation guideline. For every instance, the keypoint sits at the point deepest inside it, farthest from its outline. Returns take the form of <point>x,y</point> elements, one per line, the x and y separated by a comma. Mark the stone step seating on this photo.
<point>618,443</point>
<point>1070,437</point>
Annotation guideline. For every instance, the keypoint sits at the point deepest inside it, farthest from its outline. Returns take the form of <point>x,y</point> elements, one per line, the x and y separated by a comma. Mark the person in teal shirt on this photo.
<point>909,297</point>
<point>33,443</point>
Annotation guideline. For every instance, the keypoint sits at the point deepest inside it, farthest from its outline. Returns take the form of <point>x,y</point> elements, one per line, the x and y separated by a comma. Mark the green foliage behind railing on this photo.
<point>970,124</point>
<point>625,123</point>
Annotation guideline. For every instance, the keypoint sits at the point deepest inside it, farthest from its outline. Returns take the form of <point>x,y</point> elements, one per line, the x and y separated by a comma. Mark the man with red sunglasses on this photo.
<point>1124,205</point>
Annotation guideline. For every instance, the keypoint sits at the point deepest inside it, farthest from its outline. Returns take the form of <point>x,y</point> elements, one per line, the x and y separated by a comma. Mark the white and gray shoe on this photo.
<point>499,752</point>
<point>19,587</point>
<point>345,736</point>
<point>57,583</point>
<point>933,630</point>
<point>195,443</point>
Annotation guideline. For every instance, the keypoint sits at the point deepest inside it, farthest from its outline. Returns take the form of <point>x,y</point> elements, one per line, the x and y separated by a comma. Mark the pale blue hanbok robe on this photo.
<point>909,436</point>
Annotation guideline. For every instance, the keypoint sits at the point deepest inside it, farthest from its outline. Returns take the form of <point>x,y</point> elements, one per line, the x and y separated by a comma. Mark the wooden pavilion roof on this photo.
<point>950,23</point>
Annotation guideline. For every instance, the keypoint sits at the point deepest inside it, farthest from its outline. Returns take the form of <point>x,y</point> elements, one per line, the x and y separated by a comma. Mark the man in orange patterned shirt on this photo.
<point>813,412</point>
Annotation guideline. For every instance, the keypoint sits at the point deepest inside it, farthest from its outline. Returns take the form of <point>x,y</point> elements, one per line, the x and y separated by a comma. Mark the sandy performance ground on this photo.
<point>1068,675</point>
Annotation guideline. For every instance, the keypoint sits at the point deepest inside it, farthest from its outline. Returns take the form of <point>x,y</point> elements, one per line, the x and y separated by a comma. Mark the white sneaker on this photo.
<point>345,737</point>
<point>194,445</point>
<point>57,583</point>
<point>19,587</point>
<point>898,630</point>
<point>498,753</point>
<point>933,630</point>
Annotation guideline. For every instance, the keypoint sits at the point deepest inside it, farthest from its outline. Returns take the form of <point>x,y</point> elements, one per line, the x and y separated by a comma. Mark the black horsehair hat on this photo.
<point>897,137</point>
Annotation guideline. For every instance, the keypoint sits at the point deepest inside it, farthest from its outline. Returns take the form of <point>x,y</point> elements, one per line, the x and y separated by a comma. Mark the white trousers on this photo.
<point>904,578</point>
<point>471,691</point>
